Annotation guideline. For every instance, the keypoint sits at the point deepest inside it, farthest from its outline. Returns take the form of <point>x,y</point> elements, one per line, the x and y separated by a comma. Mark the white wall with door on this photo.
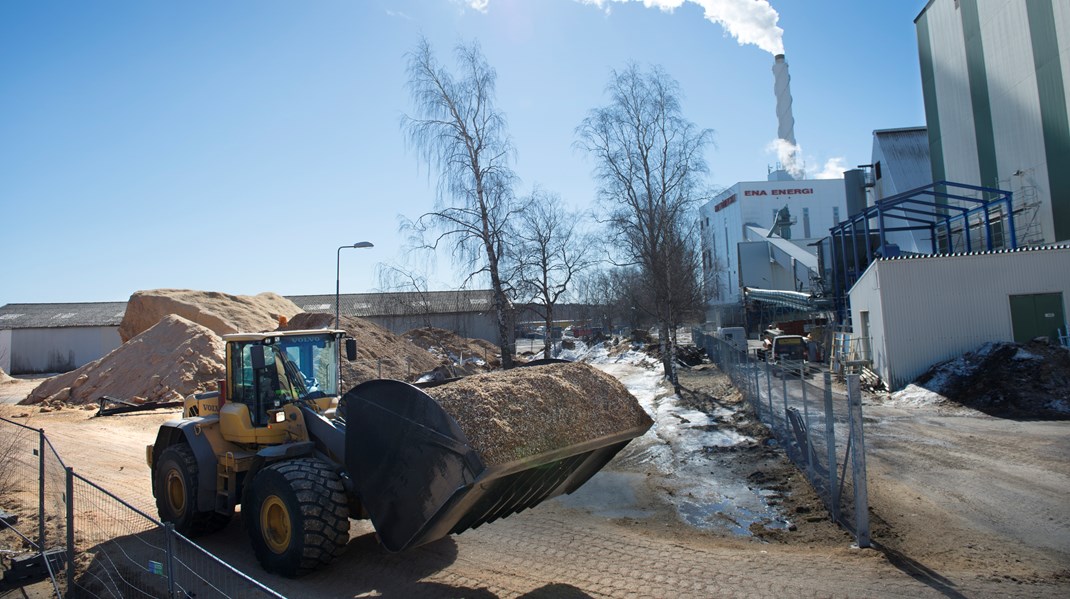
<point>929,309</point>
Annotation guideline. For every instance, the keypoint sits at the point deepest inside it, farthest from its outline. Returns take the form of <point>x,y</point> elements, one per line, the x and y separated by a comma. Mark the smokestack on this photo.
<point>782,89</point>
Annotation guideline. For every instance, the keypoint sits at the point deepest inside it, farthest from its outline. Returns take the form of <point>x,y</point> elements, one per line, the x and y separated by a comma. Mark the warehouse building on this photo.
<point>994,79</point>
<point>42,338</point>
<point>964,306</point>
<point>467,313</point>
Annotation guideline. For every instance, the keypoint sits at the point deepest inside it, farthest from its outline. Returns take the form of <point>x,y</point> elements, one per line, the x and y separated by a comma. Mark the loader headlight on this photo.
<point>279,416</point>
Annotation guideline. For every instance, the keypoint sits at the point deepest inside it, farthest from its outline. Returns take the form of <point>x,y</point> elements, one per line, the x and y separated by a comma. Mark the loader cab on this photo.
<point>267,371</point>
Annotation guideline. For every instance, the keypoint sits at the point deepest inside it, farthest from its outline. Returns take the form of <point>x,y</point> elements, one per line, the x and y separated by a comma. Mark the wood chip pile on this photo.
<point>400,359</point>
<point>4,377</point>
<point>165,363</point>
<point>455,348</point>
<point>514,414</point>
<point>223,313</point>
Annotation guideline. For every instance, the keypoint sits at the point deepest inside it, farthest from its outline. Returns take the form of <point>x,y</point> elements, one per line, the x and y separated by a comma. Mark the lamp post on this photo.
<point>338,274</point>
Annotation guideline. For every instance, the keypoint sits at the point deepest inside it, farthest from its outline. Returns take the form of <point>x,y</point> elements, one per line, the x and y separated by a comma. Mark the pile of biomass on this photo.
<point>221,312</point>
<point>512,414</point>
<point>376,348</point>
<point>455,348</point>
<point>4,377</point>
<point>1010,380</point>
<point>167,362</point>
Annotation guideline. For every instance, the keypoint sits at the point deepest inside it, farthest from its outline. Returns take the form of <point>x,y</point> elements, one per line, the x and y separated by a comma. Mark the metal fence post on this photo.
<point>784,384</point>
<point>769,393</point>
<point>41,491</point>
<point>858,461</point>
<point>70,531</point>
<point>806,419</point>
<point>169,532</point>
<point>830,442</point>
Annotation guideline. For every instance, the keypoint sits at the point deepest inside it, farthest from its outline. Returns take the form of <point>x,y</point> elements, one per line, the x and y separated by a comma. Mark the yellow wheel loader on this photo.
<point>302,459</point>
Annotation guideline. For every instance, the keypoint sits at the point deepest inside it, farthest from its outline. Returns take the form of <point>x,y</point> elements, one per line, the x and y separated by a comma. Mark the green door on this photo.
<point>1037,315</point>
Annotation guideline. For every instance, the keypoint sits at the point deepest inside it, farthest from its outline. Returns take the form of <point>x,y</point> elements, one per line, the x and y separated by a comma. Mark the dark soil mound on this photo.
<point>1009,380</point>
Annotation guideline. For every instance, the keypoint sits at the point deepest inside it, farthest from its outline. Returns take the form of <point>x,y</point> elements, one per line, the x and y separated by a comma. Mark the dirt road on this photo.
<point>964,506</point>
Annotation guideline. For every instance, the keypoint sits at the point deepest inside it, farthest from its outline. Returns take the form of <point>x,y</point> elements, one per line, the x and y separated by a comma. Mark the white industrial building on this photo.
<point>759,234</point>
<point>912,312</point>
<point>994,79</point>
<point>42,338</point>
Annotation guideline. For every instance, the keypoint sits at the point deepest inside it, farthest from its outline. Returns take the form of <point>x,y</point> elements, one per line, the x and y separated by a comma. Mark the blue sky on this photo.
<point>233,146</point>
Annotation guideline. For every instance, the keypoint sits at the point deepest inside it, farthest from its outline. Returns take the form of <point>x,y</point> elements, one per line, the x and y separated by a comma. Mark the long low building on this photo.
<point>40,338</point>
<point>468,313</point>
<point>59,337</point>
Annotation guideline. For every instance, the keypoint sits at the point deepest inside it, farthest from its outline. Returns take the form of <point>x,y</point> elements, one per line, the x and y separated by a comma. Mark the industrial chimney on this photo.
<point>785,120</point>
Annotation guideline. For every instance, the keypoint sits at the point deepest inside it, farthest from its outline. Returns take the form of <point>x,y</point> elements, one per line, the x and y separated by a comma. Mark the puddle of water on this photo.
<point>610,495</point>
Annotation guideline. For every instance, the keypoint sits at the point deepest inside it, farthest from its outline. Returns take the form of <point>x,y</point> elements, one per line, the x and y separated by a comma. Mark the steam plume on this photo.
<point>748,21</point>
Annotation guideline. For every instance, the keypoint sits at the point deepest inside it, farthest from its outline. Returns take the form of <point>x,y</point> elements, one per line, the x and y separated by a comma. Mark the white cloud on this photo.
<point>790,157</point>
<point>834,168</point>
<point>398,14</point>
<point>480,5</point>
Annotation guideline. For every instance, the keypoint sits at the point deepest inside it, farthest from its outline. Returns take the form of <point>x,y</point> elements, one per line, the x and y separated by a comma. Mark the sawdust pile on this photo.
<point>512,414</point>
<point>4,378</point>
<point>456,349</point>
<point>1008,380</point>
<point>399,358</point>
<point>172,359</point>
<point>221,312</point>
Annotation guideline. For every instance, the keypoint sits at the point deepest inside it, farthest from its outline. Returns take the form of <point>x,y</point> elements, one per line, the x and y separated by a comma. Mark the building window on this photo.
<point>836,214</point>
<point>877,170</point>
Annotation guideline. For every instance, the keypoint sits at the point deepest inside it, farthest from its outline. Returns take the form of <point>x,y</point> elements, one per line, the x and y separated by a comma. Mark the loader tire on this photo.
<point>175,486</point>
<point>297,516</point>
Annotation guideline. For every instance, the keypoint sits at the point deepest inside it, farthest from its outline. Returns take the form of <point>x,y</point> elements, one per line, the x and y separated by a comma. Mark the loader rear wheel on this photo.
<point>175,485</point>
<point>297,516</point>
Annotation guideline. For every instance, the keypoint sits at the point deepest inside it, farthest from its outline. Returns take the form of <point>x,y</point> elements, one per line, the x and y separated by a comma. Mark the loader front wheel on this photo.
<point>175,485</point>
<point>297,516</point>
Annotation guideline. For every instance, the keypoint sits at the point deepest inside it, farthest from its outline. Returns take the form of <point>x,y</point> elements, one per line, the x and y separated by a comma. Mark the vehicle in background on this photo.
<point>736,337</point>
<point>778,347</point>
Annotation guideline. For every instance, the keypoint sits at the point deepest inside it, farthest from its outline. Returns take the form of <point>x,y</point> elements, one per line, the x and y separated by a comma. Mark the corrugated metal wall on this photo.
<point>471,325</point>
<point>5,350</point>
<point>933,309</point>
<point>59,349</point>
<point>1003,145</point>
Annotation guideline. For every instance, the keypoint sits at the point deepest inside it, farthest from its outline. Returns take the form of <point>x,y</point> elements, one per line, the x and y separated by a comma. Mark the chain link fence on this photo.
<point>819,427</point>
<point>97,544</point>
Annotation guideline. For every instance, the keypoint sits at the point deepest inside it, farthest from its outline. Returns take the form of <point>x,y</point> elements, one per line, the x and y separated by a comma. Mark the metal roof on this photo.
<point>110,314</point>
<point>43,316</point>
<point>399,303</point>
<point>1035,248</point>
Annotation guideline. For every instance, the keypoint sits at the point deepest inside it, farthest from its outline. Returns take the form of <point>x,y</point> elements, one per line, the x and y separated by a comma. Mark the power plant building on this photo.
<point>994,77</point>
<point>759,234</point>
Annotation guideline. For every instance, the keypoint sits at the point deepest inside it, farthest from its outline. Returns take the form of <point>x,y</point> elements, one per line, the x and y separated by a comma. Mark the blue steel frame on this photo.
<point>928,207</point>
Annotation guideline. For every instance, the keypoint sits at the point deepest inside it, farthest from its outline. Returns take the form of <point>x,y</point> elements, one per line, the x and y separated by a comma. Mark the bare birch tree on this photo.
<point>649,165</point>
<point>550,253</point>
<point>458,130</point>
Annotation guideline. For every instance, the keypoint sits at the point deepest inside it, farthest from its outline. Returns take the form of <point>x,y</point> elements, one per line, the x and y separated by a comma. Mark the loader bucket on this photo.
<point>419,478</point>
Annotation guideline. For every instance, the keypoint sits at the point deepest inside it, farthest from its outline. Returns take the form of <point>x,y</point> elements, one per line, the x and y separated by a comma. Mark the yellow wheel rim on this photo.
<point>275,523</point>
<point>176,492</point>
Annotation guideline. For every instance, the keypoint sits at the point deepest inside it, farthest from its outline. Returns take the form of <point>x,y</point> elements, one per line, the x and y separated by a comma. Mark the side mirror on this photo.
<point>259,355</point>
<point>351,349</point>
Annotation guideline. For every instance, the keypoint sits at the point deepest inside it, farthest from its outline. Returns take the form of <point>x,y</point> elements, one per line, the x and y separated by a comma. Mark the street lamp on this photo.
<point>338,273</point>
